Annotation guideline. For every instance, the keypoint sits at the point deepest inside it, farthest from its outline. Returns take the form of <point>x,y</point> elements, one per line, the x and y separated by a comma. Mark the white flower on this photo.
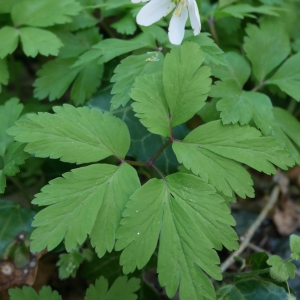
<point>156,9</point>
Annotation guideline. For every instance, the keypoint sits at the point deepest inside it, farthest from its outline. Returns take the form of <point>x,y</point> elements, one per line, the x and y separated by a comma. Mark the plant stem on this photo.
<point>292,106</point>
<point>261,84</point>
<point>211,24</point>
<point>160,150</point>
<point>250,232</point>
<point>136,163</point>
<point>21,189</point>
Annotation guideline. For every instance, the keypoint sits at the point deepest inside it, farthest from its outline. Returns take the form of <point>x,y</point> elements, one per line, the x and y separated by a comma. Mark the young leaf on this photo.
<point>14,219</point>
<point>43,14</point>
<point>286,130</point>
<point>28,293</point>
<point>128,70</point>
<point>237,68</point>
<point>122,288</point>
<point>69,263</point>
<point>266,47</point>
<point>287,77</point>
<point>179,210</point>
<point>35,40</point>
<point>240,106</point>
<point>125,25</point>
<point>88,200</point>
<point>252,289</point>
<point>108,49</point>
<point>4,75</point>
<point>9,38</point>
<point>9,113</point>
<point>150,106</point>
<point>280,270</point>
<point>295,246</point>
<point>83,135</point>
<point>213,151</point>
<point>186,84</point>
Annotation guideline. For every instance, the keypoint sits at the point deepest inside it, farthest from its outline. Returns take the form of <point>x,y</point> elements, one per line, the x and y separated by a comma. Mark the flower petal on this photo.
<point>194,16</point>
<point>154,11</point>
<point>177,26</point>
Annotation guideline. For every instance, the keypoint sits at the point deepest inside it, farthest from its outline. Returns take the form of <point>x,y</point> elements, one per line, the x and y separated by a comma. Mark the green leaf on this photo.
<point>266,47</point>
<point>245,10</point>
<point>11,37</point>
<point>295,246</point>
<point>286,130</point>
<point>35,40</point>
<point>214,152</point>
<point>280,270</point>
<point>14,219</point>
<point>240,106</point>
<point>54,78</point>
<point>237,68</point>
<point>125,25</point>
<point>69,263</point>
<point>9,113</point>
<point>43,14</point>
<point>252,289</point>
<point>108,49</point>
<point>83,135</point>
<point>6,6</point>
<point>212,52</point>
<point>150,106</point>
<point>176,211</point>
<point>287,77</point>
<point>28,293</point>
<point>144,144</point>
<point>87,200</point>
<point>13,157</point>
<point>87,82</point>
<point>122,288</point>
<point>4,75</point>
<point>186,84</point>
<point>258,261</point>
<point>128,70</point>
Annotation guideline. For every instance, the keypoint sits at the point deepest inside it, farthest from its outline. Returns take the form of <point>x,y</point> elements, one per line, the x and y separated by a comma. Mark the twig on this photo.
<point>251,230</point>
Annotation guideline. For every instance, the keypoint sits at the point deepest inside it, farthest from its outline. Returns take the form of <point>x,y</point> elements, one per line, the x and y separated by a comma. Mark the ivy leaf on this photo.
<point>287,77</point>
<point>14,219</point>
<point>9,113</point>
<point>128,70</point>
<point>43,14</point>
<point>83,135</point>
<point>252,289</point>
<point>69,263</point>
<point>213,151</point>
<point>108,49</point>
<point>186,84</point>
<point>150,106</point>
<point>295,246</point>
<point>266,47</point>
<point>286,130</point>
<point>237,68</point>
<point>4,75</point>
<point>241,106</point>
<point>87,200</point>
<point>11,37</point>
<point>280,270</point>
<point>28,293</point>
<point>177,210</point>
<point>122,288</point>
<point>212,53</point>
<point>35,40</point>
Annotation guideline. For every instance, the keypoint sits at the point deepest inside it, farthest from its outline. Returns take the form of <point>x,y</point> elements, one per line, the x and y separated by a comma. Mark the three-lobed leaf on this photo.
<point>214,152</point>
<point>88,200</point>
<point>179,211</point>
<point>77,135</point>
<point>280,270</point>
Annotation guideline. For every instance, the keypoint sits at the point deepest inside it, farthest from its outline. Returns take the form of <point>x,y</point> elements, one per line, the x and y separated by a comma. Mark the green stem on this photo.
<point>136,163</point>
<point>263,271</point>
<point>160,150</point>
<point>21,189</point>
<point>211,24</point>
<point>260,85</point>
<point>292,105</point>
